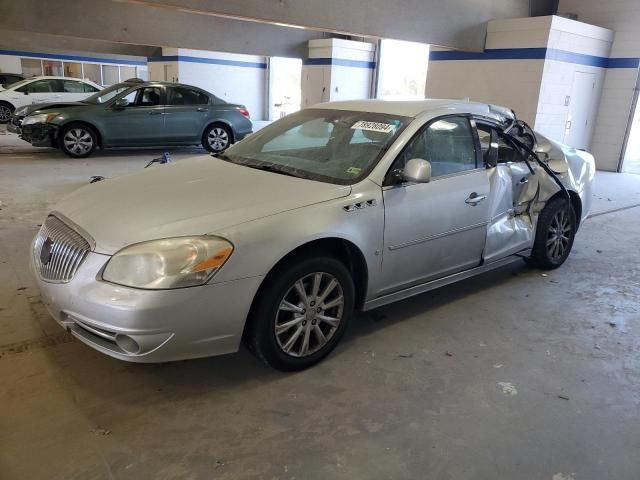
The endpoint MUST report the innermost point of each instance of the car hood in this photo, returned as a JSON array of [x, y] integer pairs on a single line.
[[192, 197], [44, 107]]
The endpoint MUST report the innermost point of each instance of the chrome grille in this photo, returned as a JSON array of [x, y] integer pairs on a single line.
[[58, 251]]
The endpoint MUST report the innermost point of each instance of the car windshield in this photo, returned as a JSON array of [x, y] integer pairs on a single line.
[[107, 94], [334, 146]]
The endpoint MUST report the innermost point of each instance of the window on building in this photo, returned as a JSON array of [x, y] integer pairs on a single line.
[[110, 74], [31, 67], [73, 69], [402, 69], [127, 72], [52, 67], [92, 72], [143, 73]]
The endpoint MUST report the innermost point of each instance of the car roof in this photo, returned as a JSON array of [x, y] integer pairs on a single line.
[[415, 108]]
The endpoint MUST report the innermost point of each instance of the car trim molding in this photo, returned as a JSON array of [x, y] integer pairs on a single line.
[[436, 236]]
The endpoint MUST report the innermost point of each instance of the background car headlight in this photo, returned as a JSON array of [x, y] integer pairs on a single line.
[[39, 118], [168, 263]]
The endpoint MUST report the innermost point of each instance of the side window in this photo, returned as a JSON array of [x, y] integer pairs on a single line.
[[41, 86], [72, 86], [90, 88], [507, 152], [448, 144], [144, 97], [186, 96]]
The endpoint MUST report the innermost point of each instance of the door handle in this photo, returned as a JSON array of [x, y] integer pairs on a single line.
[[474, 199], [524, 180], [154, 112], [201, 109]]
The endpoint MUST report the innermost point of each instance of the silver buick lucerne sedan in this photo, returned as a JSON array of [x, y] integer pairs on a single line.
[[343, 206]]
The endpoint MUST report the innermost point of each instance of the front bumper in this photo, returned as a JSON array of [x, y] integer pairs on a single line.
[[39, 134], [149, 326]]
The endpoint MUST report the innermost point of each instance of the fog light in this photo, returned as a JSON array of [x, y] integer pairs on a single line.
[[128, 344]]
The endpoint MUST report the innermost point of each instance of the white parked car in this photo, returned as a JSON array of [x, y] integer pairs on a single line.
[[43, 90], [348, 205]]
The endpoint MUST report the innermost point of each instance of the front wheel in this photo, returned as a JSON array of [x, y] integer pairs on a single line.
[[77, 140], [555, 234], [216, 138], [301, 313]]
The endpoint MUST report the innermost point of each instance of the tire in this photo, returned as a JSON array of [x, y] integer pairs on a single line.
[[217, 138], [6, 109], [303, 323], [78, 140], [555, 233]]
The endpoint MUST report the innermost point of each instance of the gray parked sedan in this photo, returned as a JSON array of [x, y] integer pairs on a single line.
[[344, 206], [134, 114]]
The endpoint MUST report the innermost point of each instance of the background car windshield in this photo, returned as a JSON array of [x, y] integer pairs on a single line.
[[108, 93], [336, 146]]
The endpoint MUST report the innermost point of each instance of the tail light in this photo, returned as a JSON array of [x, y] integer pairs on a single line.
[[245, 112]]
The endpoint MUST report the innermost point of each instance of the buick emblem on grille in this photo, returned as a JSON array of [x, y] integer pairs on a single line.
[[45, 253]]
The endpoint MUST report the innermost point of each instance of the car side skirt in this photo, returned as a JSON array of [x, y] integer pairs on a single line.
[[441, 282]]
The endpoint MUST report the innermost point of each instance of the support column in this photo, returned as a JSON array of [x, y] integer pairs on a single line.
[[337, 70]]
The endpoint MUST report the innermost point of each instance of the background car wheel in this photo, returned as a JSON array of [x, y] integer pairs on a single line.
[[301, 313], [217, 138], [78, 140], [555, 234], [6, 109]]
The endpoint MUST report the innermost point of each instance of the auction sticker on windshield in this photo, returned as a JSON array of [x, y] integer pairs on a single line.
[[373, 126]]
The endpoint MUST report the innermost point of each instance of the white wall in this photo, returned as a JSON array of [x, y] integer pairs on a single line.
[[244, 83], [538, 89], [10, 64], [623, 17], [557, 79]]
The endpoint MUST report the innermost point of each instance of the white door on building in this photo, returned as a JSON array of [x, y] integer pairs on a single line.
[[578, 129]]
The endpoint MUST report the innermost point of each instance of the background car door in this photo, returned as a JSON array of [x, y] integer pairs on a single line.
[[39, 91], [75, 90], [186, 113], [141, 122], [437, 228]]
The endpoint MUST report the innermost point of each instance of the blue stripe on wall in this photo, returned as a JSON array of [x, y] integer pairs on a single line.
[[340, 62], [537, 54], [210, 61], [75, 58]]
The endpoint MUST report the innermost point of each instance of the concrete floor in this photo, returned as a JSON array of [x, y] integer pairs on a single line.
[[511, 375]]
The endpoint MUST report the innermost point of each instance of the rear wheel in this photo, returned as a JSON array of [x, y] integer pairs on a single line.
[[78, 140], [555, 234], [6, 109], [301, 313], [217, 138]]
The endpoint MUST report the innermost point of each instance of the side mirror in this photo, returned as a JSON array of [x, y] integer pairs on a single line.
[[120, 103], [417, 170], [26, 92]]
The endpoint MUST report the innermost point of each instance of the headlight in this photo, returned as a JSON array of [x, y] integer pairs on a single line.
[[168, 263], [39, 118]]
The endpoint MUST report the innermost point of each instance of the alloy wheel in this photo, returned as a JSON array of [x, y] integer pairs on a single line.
[[5, 113], [78, 141], [218, 139], [309, 314], [559, 235]]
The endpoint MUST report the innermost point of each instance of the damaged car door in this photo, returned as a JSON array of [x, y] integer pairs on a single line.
[[435, 228], [514, 186]]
